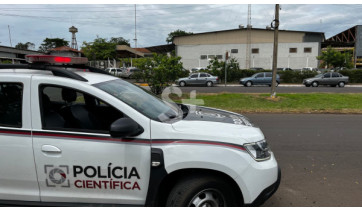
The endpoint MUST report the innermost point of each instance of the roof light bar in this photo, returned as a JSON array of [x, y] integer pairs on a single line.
[[52, 59]]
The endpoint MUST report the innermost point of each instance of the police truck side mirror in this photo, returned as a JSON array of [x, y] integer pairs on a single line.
[[125, 127]]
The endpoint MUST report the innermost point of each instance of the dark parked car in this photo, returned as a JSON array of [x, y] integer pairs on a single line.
[[332, 79], [198, 79], [264, 78]]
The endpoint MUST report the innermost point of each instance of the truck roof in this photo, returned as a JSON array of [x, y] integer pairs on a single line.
[[92, 78]]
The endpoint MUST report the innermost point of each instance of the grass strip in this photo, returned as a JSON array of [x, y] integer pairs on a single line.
[[284, 103]]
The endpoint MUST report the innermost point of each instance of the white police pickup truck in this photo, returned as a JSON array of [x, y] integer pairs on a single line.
[[69, 136]]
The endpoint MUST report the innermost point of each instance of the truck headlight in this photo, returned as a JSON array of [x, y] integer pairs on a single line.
[[260, 150]]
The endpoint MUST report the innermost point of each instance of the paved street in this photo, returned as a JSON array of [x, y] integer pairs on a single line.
[[320, 158], [280, 89]]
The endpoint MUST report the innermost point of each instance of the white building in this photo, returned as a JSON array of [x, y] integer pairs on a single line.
[[296, 49]]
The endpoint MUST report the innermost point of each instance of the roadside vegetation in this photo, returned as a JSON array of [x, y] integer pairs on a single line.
[[284, 103]]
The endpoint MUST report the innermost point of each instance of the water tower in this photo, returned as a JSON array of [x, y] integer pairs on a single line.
[[74, 30]]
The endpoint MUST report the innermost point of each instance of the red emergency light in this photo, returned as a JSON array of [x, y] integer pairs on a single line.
[[52, 59]]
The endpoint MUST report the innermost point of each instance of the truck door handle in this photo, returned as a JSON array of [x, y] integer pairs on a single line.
[[50, 149]]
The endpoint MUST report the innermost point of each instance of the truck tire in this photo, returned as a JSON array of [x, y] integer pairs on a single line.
[[201, 191], [182, 83], [315, 84], [341, 84], [248, 84]]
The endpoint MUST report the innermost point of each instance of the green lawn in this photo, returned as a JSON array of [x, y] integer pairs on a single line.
[[284, 103]]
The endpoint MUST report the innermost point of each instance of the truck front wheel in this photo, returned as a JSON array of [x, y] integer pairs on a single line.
[[201, 191]]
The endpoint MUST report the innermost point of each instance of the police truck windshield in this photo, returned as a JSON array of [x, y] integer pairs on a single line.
[[142, 101]]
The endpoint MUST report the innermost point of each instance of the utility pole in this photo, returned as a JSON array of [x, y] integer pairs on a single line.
[[248, 39], [135, 27], [11, 44], [226, 62], [275, 26], [10, 36], [135, 31]]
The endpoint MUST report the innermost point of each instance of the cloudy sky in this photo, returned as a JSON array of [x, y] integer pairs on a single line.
[[35, 22]]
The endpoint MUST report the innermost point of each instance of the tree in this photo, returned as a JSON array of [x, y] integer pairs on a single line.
[[51, 43], [178, 32], [216, 67], [102, 49], [334, 58], [161, 71], [25, 46]]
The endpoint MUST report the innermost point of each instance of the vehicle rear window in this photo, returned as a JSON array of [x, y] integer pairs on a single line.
[[335, 74], [203, 75], [260, 75], [327, 75], [194, 76], [268, 74], [11, 101]]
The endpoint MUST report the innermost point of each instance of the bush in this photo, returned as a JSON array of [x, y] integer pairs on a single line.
[[295, 76], [355, 76]]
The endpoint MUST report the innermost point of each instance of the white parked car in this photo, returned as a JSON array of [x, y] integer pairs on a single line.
[[79, 137]]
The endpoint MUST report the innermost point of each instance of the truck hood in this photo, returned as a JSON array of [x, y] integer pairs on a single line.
[[218, 125]]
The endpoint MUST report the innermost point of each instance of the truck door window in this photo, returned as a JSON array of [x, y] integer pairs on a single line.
[[11, 100], [334, 75], [71, 110], [194, 76], [327, 75]]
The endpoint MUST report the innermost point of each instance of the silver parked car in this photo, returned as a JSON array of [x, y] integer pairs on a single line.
[[332, 79], [198, 79], [130, 71], [115, 71]]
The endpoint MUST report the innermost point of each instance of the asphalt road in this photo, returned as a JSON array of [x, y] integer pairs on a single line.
[[320, 157], [266, 89]]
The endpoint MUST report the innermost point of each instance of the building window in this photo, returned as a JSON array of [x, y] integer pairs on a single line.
[[234, 51], [219, 57], [308, 50], [210, 56], [203, 57], [255, 51], [292, 50]]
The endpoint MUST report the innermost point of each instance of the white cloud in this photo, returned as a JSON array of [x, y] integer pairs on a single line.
[[154, 21]]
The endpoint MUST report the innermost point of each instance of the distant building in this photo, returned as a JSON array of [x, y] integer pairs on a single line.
[[296, 49], [348, 40], [65, 51], [18, 55], [124, 51]]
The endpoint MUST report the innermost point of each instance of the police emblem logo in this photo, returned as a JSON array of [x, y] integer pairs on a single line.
[[57, 176]]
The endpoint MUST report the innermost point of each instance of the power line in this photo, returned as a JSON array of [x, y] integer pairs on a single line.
[[112, 9]]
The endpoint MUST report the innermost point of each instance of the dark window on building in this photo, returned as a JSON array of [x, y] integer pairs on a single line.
[[211, 56], [11, 101], [219, 57], [292, 50], [203, 57], [234, 51], [308, 50], [66, 109], [255, 51]]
